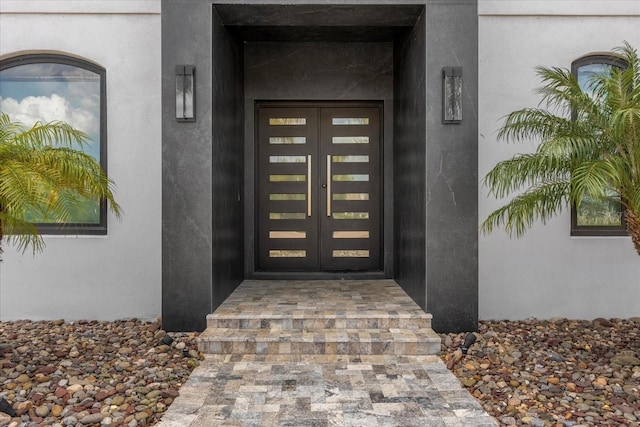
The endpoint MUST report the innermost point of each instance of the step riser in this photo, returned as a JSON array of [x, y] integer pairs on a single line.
[[318, 324], [331, 348], [296, 318]]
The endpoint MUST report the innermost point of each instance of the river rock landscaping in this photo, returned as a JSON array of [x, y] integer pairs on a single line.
[[555, 372], [90, 373]]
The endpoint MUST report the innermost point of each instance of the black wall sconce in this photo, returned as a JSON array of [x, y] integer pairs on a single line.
[[186, 93], [451, 94]]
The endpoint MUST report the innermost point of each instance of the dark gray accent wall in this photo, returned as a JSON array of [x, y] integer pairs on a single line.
[[311, 72], [435, 170], [186, 171], [452, 170], [202, 168], [227, 163], [409, 150]]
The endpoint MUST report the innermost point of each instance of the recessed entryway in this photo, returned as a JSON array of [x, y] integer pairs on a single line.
[[317, 82], [246, 52], [319, 186]]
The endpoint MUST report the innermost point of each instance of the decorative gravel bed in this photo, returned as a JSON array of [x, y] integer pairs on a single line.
[[123, 373], [541, 373], [553, 373]]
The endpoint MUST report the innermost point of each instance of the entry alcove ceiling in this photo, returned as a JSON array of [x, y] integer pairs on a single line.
[[318, 23]]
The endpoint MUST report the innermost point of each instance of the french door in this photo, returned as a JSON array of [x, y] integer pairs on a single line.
[[318, 187]]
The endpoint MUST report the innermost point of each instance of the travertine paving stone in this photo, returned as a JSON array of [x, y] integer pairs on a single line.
[[292, 303], [319, 317], [259, 390], [323, 353]]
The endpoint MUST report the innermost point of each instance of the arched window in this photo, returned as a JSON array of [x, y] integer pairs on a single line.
[[45, 87], [597, 218]]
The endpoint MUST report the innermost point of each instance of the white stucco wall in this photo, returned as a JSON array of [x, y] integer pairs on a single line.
[[118, 275], [547, 273]]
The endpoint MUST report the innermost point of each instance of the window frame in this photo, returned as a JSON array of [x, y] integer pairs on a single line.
[[596, 230], [99, 228]]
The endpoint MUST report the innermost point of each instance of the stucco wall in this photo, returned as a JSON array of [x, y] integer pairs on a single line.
[[547, 273], [118, 275]]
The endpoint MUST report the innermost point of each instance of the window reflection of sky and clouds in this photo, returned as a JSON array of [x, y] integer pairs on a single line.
[[50, 91], [586, 73]]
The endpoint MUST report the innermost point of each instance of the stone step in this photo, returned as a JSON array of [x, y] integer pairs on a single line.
[[305, 320], [392, 341]]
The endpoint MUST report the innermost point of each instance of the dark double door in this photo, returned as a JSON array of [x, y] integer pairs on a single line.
[[318, 187]]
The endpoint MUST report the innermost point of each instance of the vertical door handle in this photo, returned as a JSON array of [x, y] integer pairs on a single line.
[[328, 185], [309, 185]]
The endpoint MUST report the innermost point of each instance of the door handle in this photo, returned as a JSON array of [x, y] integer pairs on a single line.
[[328, 185], [309, 185]]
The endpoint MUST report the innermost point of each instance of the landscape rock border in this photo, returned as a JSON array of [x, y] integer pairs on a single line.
[[556, 372], [90, 373]]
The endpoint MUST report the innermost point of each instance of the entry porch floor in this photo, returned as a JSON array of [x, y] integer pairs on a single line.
[[322, 353]]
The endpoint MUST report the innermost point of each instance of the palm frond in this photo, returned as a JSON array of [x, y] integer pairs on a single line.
[[540, 202], [592, 179], [531, 123], [588, 146], [521, 170], [54, 133], [44, 176], [22, 234]]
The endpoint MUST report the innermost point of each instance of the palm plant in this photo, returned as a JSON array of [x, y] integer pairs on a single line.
[[589, 148], [43, 176]]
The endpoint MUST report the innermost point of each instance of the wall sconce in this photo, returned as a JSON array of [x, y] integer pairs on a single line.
[[451, 94], [186, 93]]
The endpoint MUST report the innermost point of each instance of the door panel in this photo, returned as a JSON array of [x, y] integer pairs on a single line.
[[318, 188], [350, 229], [287, 230]]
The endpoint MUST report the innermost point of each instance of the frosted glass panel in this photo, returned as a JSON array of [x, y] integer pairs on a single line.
[[287, 196], [351, 215], [350, 159], [287, 254], [287, 215], [287, 121], [351, 177], [339, 121], [276, 140], [351, 253], [287, 178], [351, 234], [351, 196], [350, 140], [287, 234], [287, 159]]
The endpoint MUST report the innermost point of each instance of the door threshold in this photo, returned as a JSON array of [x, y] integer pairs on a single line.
[[318, 275]]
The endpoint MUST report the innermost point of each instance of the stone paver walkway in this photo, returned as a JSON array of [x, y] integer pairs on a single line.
[[371, 391], [249, 382]]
